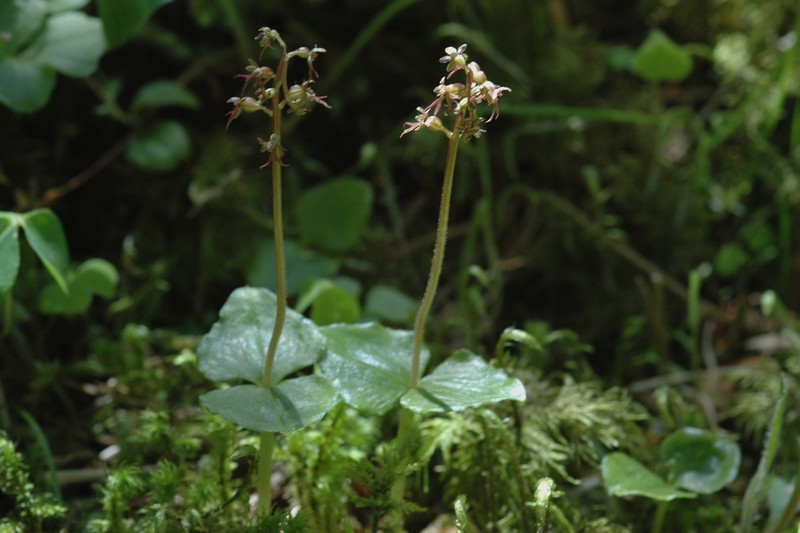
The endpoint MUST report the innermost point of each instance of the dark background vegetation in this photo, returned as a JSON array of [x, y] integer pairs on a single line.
[[644, 182]]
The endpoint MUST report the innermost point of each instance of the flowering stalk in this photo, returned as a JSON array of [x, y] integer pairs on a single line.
[[273, 100], [462, 101]]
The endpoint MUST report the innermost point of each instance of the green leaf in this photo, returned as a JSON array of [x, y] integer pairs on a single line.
[[122, 19], [730, 259], [24, 86], [464, 380], [700, 461], [56, 6], [625, 476], [93, 277], [332, 216], [332, 304], [20, 20], [9, 251], [387, 303], [236, 346], [163, 93], [46, 237], [71, 43], [369, 364], [160, 147], [289, 405], [659, 59], [302, 266]]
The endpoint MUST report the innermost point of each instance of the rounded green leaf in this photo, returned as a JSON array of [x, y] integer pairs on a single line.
[[46, 236], [332, 216], [122, 19], [9, 252], [730, 259], [464, 380], [71, 43], [333, 304], [236, 346], [25, 86], [55, 6], [93, 277], [625, 476], [370, 364], [290, 405], [302, 266], [659, 58], [160, 147], [163, 93], [387, 303], [700, 461]]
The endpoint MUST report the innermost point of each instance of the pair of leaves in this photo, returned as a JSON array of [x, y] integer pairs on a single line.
[[45, 236], [93, 277], [696, 461], [369, 364]]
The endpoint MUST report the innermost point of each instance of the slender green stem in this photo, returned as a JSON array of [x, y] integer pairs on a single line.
[[438, 252], [277, 215], [406, 429], [267, 440], [658, 519], [263, 486]]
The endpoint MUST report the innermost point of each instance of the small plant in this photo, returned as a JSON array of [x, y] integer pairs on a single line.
[[268, 404]]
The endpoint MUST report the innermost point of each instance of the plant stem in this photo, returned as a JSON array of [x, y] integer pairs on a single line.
[[405, 435], [438, 252], [277, 215], [267, 440], [263, 486], [658, 519]]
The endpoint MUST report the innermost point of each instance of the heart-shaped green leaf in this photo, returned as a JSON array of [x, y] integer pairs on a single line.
[[236, 346], [160, 147], [700, 461], [46, 236], [332, 216], [369, 364], [464, 380], [625, 476], [289, 405], [9, 252]]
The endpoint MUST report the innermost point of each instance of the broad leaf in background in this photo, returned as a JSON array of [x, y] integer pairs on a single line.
[[122, 19], [164, 93], [332, 216], [659, 59], [93, 277], [285, 407], [464, 380], [332, 304], [160, 147], [9, 252], [44, 38], [236, 346], [700, 461], [302, 266], [369, 364], [625, 476], [46, 236], [387, 303]]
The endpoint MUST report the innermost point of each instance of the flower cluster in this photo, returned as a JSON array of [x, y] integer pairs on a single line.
[[271, 92], [459, 98]]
